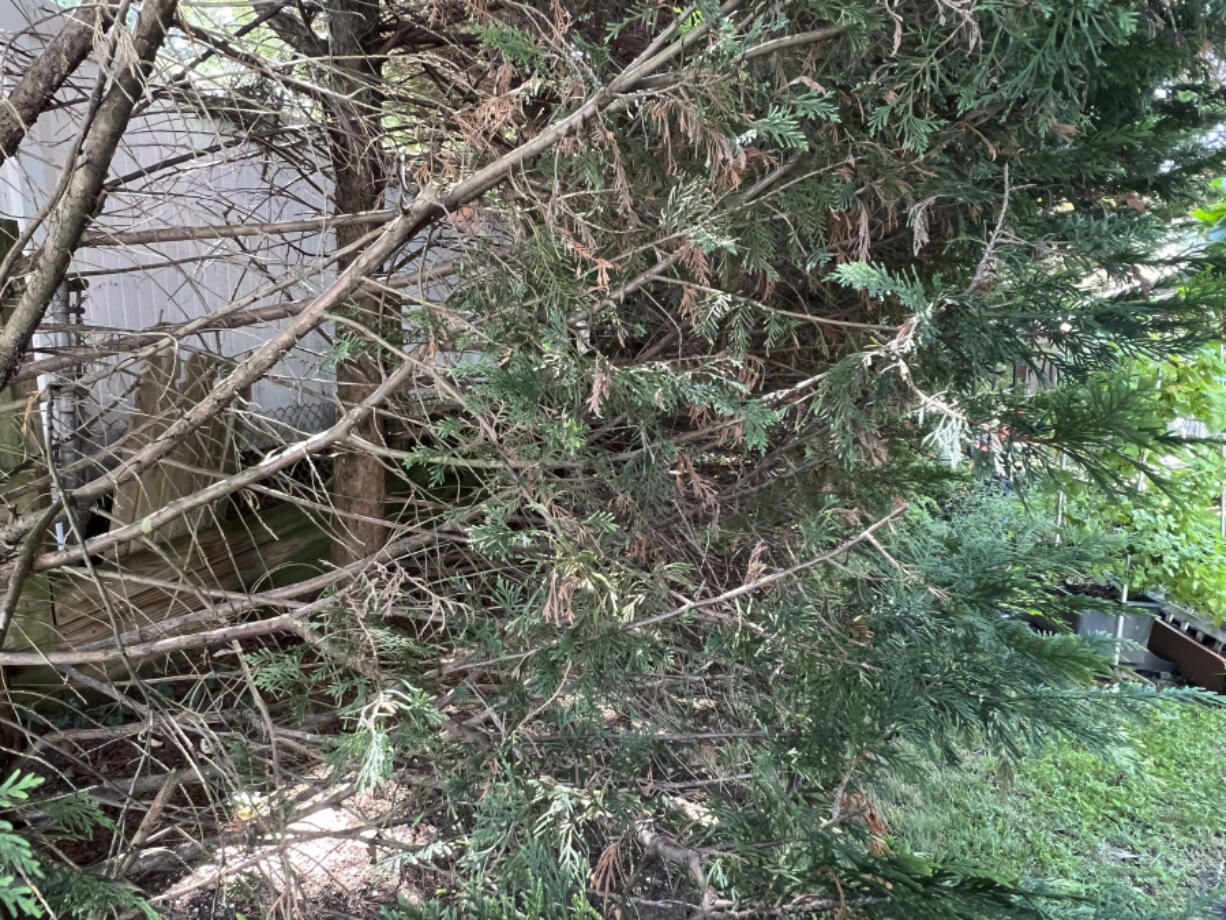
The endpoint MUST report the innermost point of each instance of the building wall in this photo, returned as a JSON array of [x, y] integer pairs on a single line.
[[134, 287]]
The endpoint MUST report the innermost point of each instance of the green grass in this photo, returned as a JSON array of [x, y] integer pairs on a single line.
[[1143, 835]]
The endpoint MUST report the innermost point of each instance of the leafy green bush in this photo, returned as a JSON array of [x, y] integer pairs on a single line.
[[34, 881], [1169, 531]]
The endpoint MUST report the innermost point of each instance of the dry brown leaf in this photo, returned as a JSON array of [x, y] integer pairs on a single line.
[[700, 487], [809, 82], [1063, 129], [600, 385], [756, 567], [609, 871], [559, 607]]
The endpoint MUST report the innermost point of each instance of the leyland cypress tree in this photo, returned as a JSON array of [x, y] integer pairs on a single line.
[[757, 306], [729, 354]]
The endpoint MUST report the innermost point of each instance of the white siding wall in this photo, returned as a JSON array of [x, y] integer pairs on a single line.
[[237, 185]]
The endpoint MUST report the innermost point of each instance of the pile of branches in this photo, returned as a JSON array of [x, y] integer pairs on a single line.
[[656, 342]]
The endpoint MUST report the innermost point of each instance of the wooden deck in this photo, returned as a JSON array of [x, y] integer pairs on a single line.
[[156, 582]]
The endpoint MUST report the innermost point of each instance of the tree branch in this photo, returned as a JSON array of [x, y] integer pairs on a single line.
[[81, 197], [43, 78]]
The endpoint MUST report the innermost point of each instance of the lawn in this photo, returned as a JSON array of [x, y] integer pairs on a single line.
[[1140, 835]]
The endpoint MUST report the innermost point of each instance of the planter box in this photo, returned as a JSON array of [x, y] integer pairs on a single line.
[[1137, 627], [1200, 665]]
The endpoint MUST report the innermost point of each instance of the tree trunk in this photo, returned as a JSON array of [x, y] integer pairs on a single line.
[[358, 484]]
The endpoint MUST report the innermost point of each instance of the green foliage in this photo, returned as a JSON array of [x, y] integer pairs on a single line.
[[835, 264], [695, 565], [719, 565], [384, 722], [33, 880], [82, 896], [957, 661], [74, 816], [877, 282], [1137, 833], [1173, 532], [904, 658], [20, 867], [513, 43], [1169, 524]]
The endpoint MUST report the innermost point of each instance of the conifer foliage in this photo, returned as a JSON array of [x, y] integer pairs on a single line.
[[701, 531]]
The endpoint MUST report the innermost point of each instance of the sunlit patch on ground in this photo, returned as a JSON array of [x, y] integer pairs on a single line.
[[340, 855]]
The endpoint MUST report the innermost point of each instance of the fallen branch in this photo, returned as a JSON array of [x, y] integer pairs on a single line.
[[282, 623], [96, 239], [669, 850], [173, 510], [166, 334], [147, 822]]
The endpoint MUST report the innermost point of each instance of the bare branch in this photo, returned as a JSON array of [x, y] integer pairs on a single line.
[[81, 197], [43, 78]]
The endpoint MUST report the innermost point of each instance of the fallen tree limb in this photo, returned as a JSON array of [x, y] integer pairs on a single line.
[[224, 634], [168, 333], [173, 510], [281, 623], [97, 239]]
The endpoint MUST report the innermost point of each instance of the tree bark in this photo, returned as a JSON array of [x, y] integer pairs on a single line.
[[358, 484], [80, 199], [43, 78]]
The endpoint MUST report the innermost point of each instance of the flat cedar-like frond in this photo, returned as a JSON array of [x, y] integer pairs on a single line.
[[718, 412]]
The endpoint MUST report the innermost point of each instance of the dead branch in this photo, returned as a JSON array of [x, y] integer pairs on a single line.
[[167, 334], [81, 197], [97, 239], [43, 78], [766, 580], [147, 649]]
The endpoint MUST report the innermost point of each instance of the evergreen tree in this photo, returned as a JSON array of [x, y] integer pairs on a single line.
[[729, 369], [707, 440]]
